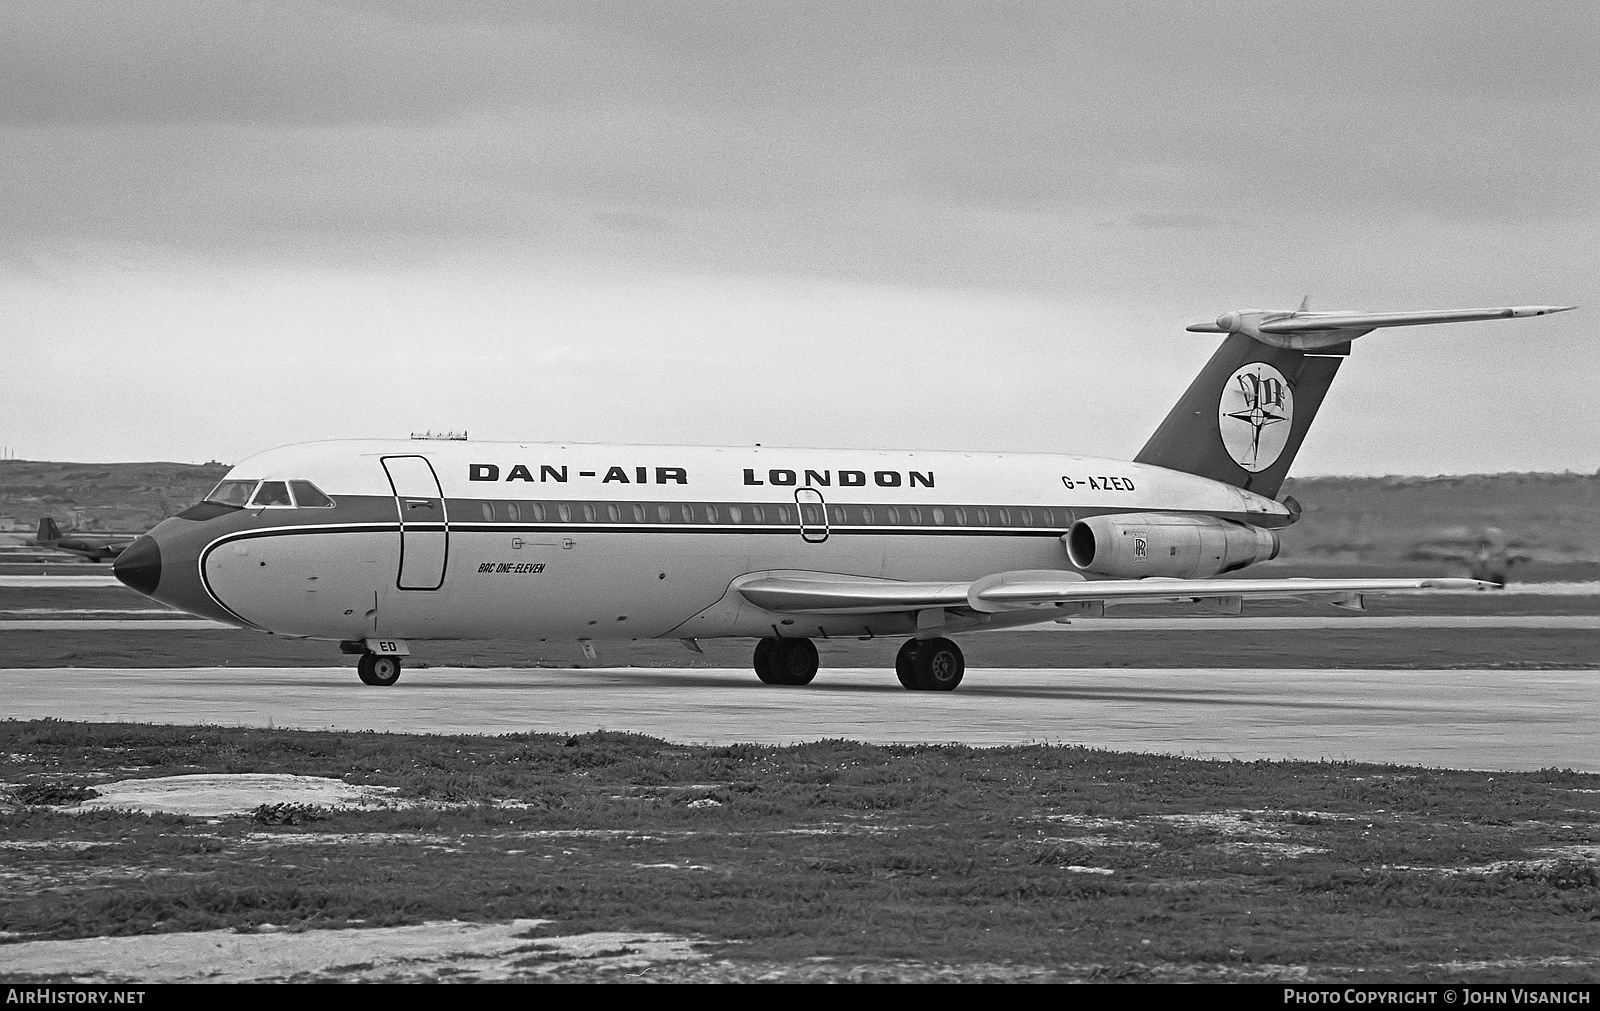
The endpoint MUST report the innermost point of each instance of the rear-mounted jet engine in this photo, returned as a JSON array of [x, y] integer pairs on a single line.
[[1134, 545]]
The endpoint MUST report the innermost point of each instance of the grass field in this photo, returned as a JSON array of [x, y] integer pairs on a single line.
[[834, 859]]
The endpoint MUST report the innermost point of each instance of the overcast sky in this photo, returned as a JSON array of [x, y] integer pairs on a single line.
[[230, 226]]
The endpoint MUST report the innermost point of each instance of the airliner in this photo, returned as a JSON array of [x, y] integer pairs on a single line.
[[375, 545], [94, 547]]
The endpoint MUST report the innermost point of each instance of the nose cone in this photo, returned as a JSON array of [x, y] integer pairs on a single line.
[[139, 565]]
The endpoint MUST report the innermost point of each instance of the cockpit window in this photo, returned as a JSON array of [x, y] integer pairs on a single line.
[[231, 493], [271, 493], [309, 496]]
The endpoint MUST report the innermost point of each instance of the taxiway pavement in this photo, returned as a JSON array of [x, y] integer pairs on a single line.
[[1471, 719]]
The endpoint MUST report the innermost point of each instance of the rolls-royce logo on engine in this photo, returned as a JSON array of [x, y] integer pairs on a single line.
[[1255, 415]]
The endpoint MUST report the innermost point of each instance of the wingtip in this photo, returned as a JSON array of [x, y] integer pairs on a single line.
[[1540, 310], [1459, 583], [1204, 328]]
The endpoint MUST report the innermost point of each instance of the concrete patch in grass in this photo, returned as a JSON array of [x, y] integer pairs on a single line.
[[52, 844], [211, 795], [448, 843], [433, 951]]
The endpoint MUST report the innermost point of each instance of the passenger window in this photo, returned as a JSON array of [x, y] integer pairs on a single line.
[[783, 514], [614, 512], [488, 512], [1046, 518], [837, 512], [894, 515], [638, 513], [687, 513], [914, 515], [564, 510], [664, 513], [538, 512], [938, 516], [757, 514], [514, 511], [982, 517], [309, 496], [866, 515], [271, 493], [588, 511], [1025, 517], [711, 514], [735, 513], [1003, 517], [232, 493], [961, 517]]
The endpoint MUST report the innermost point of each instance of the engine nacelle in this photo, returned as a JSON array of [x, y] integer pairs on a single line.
[[1134, 545]]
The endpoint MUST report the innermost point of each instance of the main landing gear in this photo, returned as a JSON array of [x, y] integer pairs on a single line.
[[381, 671], [930, 665], [786, 661], [924, 665]]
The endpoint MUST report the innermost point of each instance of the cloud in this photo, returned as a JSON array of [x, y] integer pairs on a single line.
[[1173, 220], [1449, 111], [1163, 162]]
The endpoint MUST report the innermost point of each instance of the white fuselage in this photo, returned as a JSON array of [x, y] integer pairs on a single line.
[[605, 542]]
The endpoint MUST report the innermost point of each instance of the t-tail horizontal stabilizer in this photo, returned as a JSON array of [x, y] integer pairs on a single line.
[[1243, 418], [1305, 331]]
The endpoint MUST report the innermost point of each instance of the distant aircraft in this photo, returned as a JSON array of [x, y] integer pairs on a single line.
[[95, 547], [372, 544], [1485, 555]]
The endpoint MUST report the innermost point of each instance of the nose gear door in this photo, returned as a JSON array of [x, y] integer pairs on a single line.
[[424, 526], [813, 515]]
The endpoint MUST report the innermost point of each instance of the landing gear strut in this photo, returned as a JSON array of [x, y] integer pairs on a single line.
[[785, 661], [930, 665], [381, 671]]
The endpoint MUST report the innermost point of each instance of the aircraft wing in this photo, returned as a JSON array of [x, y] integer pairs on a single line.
[[843, 595], [1048, 589]]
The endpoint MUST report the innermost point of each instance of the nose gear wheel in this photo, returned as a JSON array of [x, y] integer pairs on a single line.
[[380, 671]]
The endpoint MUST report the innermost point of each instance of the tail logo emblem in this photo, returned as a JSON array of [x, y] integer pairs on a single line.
[[1255, 416]]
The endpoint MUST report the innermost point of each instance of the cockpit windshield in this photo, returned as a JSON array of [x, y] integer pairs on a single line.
[[272, 493], [232, 493], [309, 496], [257, 494]]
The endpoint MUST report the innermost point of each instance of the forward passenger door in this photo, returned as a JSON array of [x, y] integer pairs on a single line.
[[424, 526]]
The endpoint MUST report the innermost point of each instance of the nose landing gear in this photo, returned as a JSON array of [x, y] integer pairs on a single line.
[[785, 661], [930, 665], [381, 671]]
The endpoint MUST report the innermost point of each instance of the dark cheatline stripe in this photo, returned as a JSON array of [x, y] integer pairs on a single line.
[[790, 530], [356, 514]]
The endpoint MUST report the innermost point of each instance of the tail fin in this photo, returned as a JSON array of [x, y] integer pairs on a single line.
[[49, 533], [1245, 415]]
